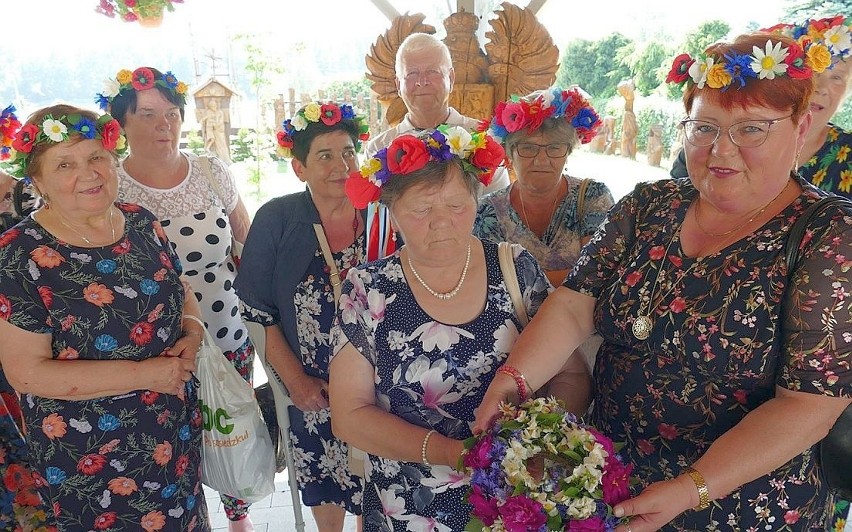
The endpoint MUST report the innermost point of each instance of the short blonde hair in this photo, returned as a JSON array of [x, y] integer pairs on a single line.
[[417, 42]]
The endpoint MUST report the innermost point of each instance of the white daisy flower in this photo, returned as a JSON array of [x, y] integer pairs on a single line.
[[111, 88], [54, 129], [838, 39], [769, 62], [698, 71], [298, 122], [458, 139]]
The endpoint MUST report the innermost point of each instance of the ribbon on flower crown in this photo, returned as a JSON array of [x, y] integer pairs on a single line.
[[381, 238]]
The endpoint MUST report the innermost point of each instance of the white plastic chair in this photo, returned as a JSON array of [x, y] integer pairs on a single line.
[[257, 333]]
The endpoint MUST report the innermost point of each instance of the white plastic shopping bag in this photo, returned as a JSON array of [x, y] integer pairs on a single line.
[[237, 458]]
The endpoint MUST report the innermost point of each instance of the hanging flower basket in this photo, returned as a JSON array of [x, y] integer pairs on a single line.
[[148, 13]]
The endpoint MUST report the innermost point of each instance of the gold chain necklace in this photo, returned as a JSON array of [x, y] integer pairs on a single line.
[[643, 324], [443, 296], [86, 240], [552, 209], [739, 226]]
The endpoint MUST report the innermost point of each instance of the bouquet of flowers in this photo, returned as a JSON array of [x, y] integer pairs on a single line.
[[133, 10], [539, 468]]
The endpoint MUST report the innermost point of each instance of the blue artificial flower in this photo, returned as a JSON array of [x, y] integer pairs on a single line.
[[560, 104], [86, 128], [190, 502], [108, 422], [384, 174], [149, 287], [184, 433], [105, 342], [54, 475], [585, 118], [102, 100], [168, 491], [739, 67], [498, 131], [170, 80], [346, 112], [106, 266]]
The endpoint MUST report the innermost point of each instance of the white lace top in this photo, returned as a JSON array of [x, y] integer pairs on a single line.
[[195, 219]]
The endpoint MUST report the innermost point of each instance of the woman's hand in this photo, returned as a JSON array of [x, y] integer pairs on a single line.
[[186, 346], [169, 374], [502, 389], [658, 504], [309, 394]]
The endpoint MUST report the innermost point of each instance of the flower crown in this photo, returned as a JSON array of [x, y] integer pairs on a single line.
[[477, 151], [139, 80], [329, 113], [17, 143], [519, 113], [775, 59], [833, 34]]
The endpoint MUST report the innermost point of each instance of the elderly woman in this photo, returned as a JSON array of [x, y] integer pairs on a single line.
[[824, 160], [717, 373], [98, 338], [422, 332], [297, 252], [197, 202]]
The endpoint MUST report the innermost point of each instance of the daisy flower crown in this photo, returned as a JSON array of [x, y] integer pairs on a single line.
[[478, 152], [816, 36], [328, 113], [139, 80], [519, 113], [775, 59], [17, 142]]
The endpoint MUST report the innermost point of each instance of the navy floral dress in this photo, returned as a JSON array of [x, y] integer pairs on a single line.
[[430, 374], [726, 331], [831, 167], [127, 462]]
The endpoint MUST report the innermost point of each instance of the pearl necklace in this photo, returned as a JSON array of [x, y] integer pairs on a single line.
[[445, 295], [86, 240]]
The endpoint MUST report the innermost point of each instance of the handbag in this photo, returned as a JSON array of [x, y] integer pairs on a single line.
[[236, 245], [236, 451], [266, 402], [835, 450]]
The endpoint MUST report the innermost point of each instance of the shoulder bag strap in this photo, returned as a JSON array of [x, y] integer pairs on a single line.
[[334, 273], [510, 277], [797, 232], [206, 167], [581, 199]]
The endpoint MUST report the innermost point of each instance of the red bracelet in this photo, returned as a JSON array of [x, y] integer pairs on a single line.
[[519, 378]]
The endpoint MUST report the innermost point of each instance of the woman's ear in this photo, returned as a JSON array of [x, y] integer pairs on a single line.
[[298, 168]]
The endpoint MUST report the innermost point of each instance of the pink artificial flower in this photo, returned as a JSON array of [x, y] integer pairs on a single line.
[[616, 481], [521, 514], [592, 524], [484, 509], [514, 117], [477, 456]]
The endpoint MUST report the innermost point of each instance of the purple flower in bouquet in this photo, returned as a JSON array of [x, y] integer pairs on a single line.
[[522, 514], [484, 507]]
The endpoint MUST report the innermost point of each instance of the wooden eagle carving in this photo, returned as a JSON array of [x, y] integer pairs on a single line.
[[519, 57]]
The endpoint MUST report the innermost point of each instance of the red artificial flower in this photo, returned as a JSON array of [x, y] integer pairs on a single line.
[[25, 138], [130, 3], [329, 114], [364, 136], [91, 464], [46, 295], [538, 114], [514, 116], [490, 156], [141, 333], [142, 78], [680, 69], [797, 67], [5, 308], [284, 140], [407, 154], [8, 237], [360, 191], [110, 134], [105, 520]]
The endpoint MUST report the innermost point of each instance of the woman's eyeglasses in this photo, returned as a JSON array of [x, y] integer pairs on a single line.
[[746, 134], [528, 150]]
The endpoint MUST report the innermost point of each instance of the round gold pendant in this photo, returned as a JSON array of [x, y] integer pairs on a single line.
[[642, 327]]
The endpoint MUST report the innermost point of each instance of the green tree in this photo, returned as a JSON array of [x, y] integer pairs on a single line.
[[798, 11], [644, 62], [593, 66], [694, 44]]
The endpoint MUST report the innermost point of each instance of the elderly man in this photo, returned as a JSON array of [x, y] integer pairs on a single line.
[[424, 79]]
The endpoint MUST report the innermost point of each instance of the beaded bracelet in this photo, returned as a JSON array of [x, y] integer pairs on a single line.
[[423, 447], [520, 380], [701, 486]]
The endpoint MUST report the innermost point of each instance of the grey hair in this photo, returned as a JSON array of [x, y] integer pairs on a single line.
[[417, 42], [434, 174]]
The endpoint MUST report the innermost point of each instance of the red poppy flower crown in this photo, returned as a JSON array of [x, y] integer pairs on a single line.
[[477, 151], [530, 113], [16, 142], [775, 59], [328, 113], [141, 79]]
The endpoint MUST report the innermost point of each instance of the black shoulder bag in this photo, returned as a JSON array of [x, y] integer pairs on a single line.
[[835, 450]]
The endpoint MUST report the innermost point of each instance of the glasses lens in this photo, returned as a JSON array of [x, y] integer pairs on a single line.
[[556, 150], [700, 133], [527, 150], [750, 134]]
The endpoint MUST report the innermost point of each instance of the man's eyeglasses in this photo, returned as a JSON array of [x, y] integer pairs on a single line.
[[746, 134], [429, 75], [528, 150]]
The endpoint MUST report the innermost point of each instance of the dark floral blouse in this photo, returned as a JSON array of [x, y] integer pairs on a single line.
[[727, 330]]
